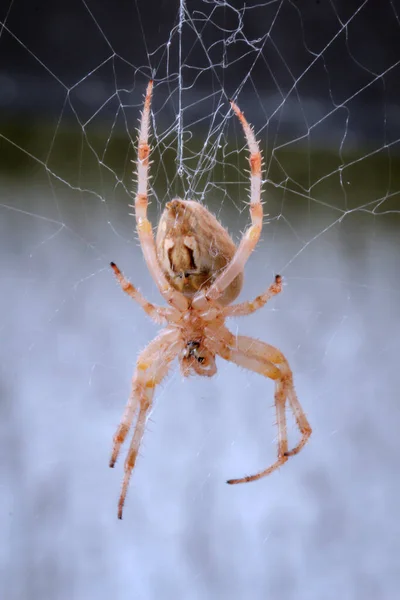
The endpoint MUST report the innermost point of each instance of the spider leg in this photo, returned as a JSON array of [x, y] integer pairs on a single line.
[[282, 439], [145, 398], [159, 314], [263, 351], [246, 308], [268, 361], [143, 225], [149, 357], [152, 366], [252, 235], [301, 421], [126, 422]]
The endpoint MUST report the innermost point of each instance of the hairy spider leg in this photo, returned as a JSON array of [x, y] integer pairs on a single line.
[[144, 228], [252, 235], [152, 366]]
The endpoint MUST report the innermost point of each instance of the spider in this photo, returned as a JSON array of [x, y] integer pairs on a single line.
[[199, 272]]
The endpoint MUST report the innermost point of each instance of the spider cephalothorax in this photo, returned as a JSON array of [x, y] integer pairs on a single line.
[[199, 272]]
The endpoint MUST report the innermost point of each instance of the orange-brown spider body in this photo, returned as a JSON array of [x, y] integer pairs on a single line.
[[199, 272]]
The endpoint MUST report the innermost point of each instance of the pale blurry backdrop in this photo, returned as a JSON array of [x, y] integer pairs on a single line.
[[326, 525]]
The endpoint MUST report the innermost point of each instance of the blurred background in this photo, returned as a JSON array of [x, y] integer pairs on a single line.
[[319, 82]]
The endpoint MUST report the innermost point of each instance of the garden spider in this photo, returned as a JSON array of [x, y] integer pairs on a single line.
[[199, 272]]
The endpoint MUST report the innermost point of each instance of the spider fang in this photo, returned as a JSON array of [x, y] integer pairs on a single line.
[[192, 350]]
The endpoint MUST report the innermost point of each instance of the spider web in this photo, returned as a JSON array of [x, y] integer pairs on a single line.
[[319, 83]]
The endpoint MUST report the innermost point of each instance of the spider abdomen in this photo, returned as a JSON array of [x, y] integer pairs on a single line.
[[193, 248]]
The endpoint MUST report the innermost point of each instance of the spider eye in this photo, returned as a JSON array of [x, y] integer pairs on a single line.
[[200, 359]]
